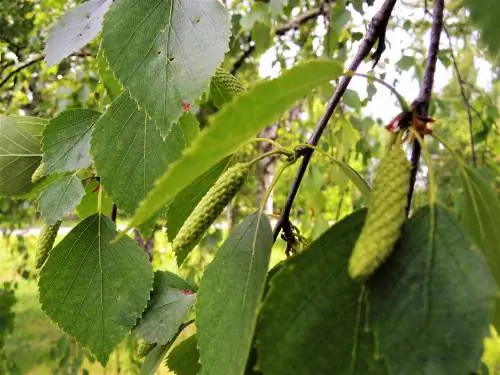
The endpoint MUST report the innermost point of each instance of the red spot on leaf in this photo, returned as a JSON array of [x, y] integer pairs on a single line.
[[187, 292], [185, 105]]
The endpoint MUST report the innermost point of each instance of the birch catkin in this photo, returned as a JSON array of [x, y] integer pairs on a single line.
[[385, 217], [46, 240], [209, 208]]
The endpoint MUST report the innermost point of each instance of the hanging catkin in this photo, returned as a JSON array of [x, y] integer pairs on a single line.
[[386, 214]]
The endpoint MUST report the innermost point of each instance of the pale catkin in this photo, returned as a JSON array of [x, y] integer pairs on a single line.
[[208, 209], [45, 242], [385, 217], [225, 80], [38, 174]]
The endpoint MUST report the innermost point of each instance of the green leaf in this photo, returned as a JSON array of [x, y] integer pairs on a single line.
[[480, 213], [352, 99], [185, 202], [172, 299], [355, 178], [238, 121], [137, 155], [406, 62], [77, 27], [60, 198], [31, 125], [229, 297], [430, 304], [65, 140], [260, 12], [165, 51], [89, 204], [262, 36], [93, 288], [312, 319], [485, 14], [20, 156], [108, 79], [184, 358]]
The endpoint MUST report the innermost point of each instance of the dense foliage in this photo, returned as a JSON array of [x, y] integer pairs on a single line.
[[326, 175]]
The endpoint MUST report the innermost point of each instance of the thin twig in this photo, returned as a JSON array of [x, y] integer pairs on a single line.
[[421, 104], [280, 31], [464, 97], [376, 28], [18, 69]]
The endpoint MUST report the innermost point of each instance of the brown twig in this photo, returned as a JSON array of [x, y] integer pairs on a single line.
[[464, 97], [376, 28], [280, 31], [421, 104], [18, 69]]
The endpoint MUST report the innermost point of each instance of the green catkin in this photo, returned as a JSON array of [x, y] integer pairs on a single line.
[[38, 174], [46, 240], [385, 217], [223, 79], [209, 208]]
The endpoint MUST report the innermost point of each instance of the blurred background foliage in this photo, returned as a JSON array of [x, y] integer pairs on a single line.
[[268, 36]]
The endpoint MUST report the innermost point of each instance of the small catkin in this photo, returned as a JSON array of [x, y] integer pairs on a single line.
[[144, 348], [225, 80], [209, 208], [46, 240], [385, 217], [38, 174]]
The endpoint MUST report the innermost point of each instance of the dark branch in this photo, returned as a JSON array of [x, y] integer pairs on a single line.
[[18, 69], [421, 104], [375, 29], [280, 31]]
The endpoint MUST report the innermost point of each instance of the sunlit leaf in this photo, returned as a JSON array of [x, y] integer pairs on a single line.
[[89, 204]]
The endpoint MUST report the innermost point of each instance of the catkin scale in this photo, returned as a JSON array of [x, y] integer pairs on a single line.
[[222, 78], [385, 217], [209, 208], [45, 242]]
